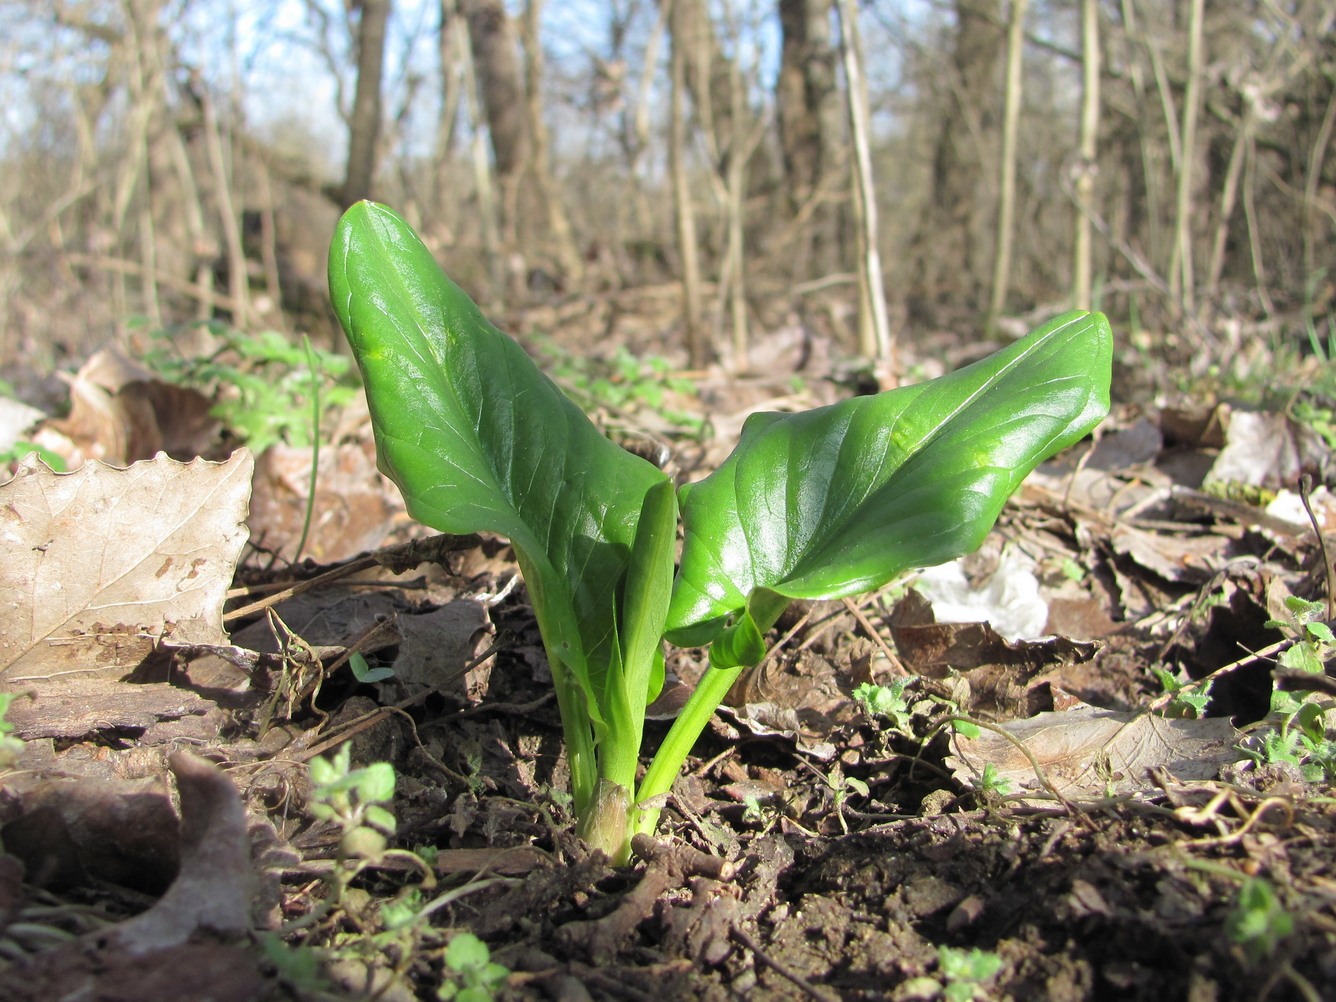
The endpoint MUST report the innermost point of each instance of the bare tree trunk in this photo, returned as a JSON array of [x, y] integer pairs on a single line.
[[807, 102], [364, 129], [682, 204], [568, 256], [451, 95], [1006, 201], [1082, 263], [874, 329], [482, 172], [1229, 190], [636, 133], [500, 76], [1312, 179], [944, 251], [1181, 279], [146, 106], [238, 281]]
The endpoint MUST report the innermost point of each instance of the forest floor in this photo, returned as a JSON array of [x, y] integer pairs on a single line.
[[1143, 811]]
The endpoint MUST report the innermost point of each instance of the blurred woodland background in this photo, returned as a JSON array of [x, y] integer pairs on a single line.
[[868, 173]]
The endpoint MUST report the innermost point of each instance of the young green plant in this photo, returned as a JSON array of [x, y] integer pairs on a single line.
[[823, 504]]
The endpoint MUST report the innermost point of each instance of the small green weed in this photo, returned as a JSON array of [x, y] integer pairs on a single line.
[[475, 978], [1295, 729], [263, 382], [1188, 701], [364, 673], [353, 799], [623, 382], [964, 975], [887, 701], [991, 786], [1259, 923]]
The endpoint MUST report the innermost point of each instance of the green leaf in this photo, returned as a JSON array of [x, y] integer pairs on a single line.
[[375, 783], [380, 818], [479, 440], [1320, 631], [467, 952], [837, 501], [364, 673]]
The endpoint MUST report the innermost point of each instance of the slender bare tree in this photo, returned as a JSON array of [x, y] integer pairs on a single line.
[[558, 222], [683, 205], [1181, 278], [364, 127], [874, 329], [808, 112], [500, 74], [1082, 257], [945, 249], [1006, 200]]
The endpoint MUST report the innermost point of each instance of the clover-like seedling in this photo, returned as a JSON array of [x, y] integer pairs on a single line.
[[823, 504]]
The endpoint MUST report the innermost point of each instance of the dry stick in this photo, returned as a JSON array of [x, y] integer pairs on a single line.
[[820, 993], [398, 558], [1069, 806], [874, 329], [875, 635], [352, 567], [1306, 488]]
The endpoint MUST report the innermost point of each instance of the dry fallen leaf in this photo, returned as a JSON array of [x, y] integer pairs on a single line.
[[1088, 752], [101, 563], [213, 890], [120, 413], [69, 831]]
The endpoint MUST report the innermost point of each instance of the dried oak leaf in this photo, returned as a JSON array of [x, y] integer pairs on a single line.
[[102, 563]]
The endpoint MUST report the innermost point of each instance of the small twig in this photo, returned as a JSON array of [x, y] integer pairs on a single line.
[[875, 636], [818, 992], [1068, 805], [1306, 488], [343, 570]]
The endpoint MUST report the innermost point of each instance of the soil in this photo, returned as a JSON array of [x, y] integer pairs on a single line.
[[812, 850]]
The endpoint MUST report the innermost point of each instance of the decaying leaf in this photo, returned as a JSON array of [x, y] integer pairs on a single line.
[[1088, 752], [212, 891], [84, 705], [102, 563], [121, 413], [70, 830]]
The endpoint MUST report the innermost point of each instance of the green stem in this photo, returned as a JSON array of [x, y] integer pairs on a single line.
[[580, 755], [672, 754], [764, 608]]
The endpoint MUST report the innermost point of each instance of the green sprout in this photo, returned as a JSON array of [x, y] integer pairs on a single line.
[[1294, 731], [822, 504], [967, 974], [476, 978], [1258, 923], [1188, 701], [990, 785], [887, 701]]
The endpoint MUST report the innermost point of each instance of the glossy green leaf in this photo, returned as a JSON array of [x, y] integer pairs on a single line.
[[839, 500], [478, 439]]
